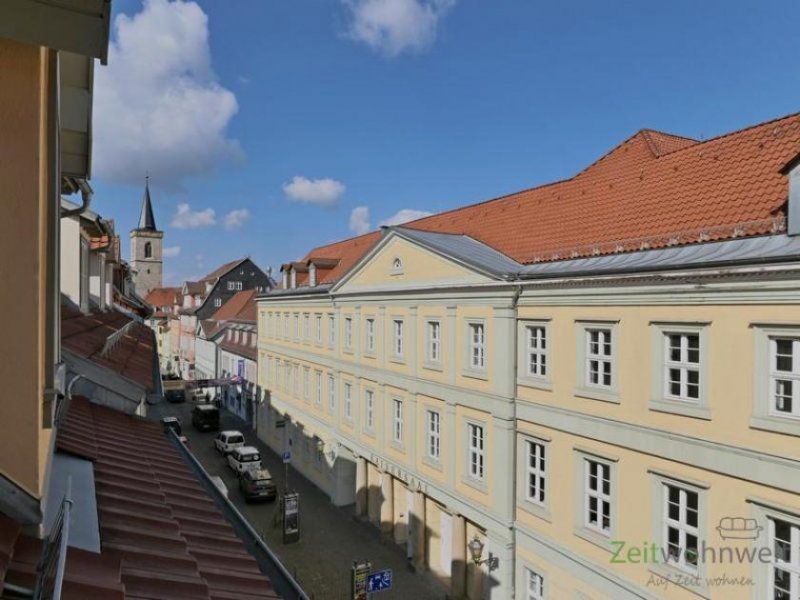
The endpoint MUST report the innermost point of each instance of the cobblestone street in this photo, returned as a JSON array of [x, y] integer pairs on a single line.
[[331, 538]]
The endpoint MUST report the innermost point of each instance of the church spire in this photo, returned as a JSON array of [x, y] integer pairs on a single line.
[[146, 219]]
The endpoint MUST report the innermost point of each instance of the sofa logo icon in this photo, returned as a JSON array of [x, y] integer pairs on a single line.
[[738, 528]]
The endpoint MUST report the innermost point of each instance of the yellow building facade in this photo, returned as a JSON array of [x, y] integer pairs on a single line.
[[609, 426]]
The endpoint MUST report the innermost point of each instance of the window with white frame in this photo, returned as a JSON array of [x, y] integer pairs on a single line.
[[318, 397], [536, 363], [397, 420], [477, 346], [231, 285], [306, 326], [597, 492], [476, 451], [534, 585], [306, 376], [784, 376], [296, 326], [681, 526], [286, 325], [348, 401], [682, 366], [369, 409], [318, 328], [239, 286], [331, 330], [784, 576], [536, 471], [348, 333], [295, 378], [434, 341], [369, 332], [598, 357], [331, 392], [217, 302], [433, 428], [397, 342]]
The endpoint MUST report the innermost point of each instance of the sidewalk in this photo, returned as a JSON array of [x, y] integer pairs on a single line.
[[331, 538]]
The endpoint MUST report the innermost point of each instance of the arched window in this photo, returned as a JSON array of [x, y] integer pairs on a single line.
[[397, 266], [148, 250]]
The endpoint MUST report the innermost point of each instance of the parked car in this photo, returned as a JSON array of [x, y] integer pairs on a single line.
[[205, 417], [175, 395], [217, 480], [173, 423], [227, 441], [244, 459], [257, 484]]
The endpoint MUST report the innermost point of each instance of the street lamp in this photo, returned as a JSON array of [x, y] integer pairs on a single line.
[[476, 550]]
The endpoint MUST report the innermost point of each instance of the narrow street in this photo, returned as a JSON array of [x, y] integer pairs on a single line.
[[331, 538]]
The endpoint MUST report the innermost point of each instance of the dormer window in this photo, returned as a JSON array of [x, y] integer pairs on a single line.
[[397, 266]]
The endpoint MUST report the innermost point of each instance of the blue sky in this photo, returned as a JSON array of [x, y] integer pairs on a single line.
[[393, 105]]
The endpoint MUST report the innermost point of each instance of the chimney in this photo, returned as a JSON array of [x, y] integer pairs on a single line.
[[312, 275], [793, 210]]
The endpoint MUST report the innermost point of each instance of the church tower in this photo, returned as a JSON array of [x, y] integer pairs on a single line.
[[146, 249]]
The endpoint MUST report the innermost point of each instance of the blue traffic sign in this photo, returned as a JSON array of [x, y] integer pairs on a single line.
[[379, 581], [287, 456]]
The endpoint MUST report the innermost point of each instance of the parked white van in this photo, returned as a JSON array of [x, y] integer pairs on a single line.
[[227, 441], [245, 458]]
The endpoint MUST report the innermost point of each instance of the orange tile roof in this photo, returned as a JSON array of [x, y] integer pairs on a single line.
[[241, 306], [653, 190], [165, 296]]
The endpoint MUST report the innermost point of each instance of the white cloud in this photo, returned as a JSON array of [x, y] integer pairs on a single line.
[[322, 192], [392, 27], [404, 216], [186, 218], [236, 218], [359, 220], [171, 251], [158, 105]]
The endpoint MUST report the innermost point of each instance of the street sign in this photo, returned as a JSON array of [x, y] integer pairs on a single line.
[[286, 456], [358, 580], [379, 581], [291, 517]]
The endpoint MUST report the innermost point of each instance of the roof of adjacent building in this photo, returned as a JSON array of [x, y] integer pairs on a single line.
[[163, 296], [156, 520], [241, 307], [654, 190], [222, 270], [111, 340]]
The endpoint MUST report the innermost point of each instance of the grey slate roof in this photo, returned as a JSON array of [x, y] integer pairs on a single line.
[[146, 220], [466, 249]]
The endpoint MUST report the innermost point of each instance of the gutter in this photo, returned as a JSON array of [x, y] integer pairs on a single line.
[[86, 199]]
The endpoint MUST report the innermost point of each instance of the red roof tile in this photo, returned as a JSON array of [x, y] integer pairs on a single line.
[[241, 306], [132, 355], [654, 189], [165, 296], [154, 515]]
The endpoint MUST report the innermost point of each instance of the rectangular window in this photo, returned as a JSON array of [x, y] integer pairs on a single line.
[[331, 392], [434, 435], [477, 346], [434, 341], [682, 366], [476, 451], [331, 330], [369, 409], [681, 517], [296, 326], [306, 327], [397, 420], [784, 577], [306, 371], [598, 357], [348, 333], [318, 397], [537, 351], [231, 286], [397, 346], [784, 377], [286, 325], [348, 401], [318, 329], [370, 335], [295, 379], [597, 510], [536, 472], [239, 285], [534, 585]]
